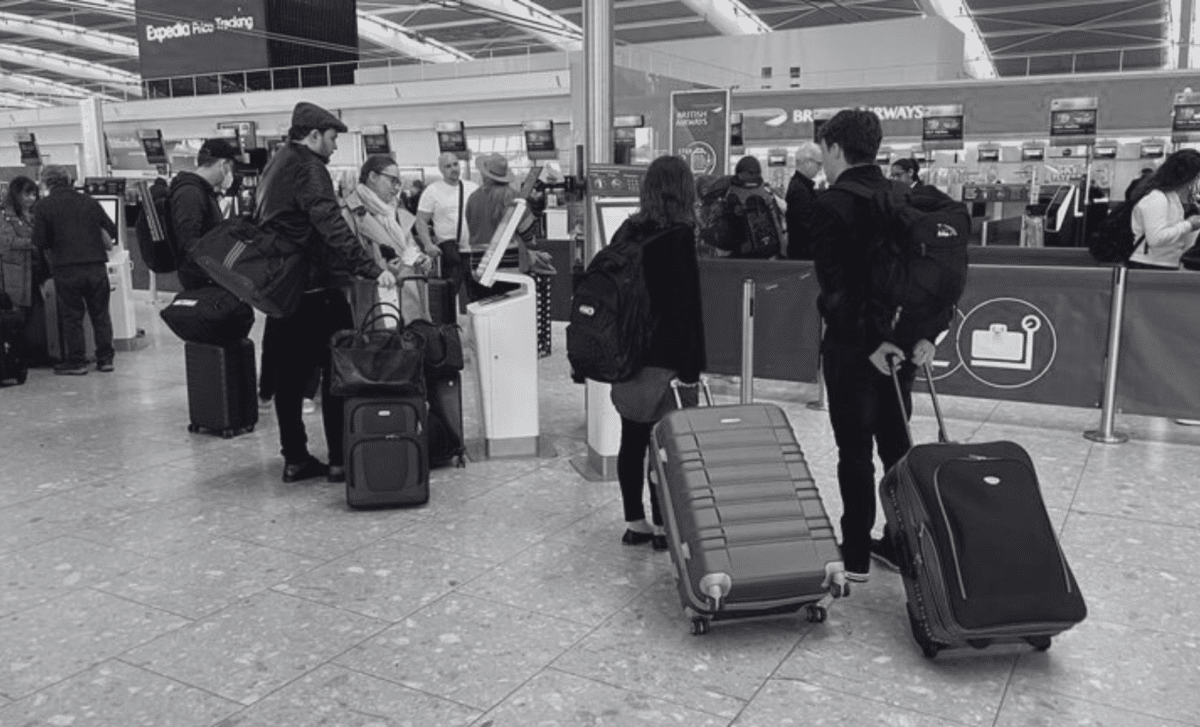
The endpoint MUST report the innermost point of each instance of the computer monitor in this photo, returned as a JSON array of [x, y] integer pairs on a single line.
[[612, 213], [485, 272], [111, 207]]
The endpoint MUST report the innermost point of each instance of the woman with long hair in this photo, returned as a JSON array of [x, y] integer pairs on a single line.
[[665, 227], [1159, 226], [385, 229], [16, 243]]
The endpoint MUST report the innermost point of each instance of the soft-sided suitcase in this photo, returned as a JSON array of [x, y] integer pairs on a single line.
[[13, 366], [385, 452], [979, 556], [747, 531], [446, 442], [222, 388]]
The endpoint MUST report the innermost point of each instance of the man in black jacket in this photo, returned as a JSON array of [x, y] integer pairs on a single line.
[[195, 208], [296, 199], [77, 234], [860, 332], [801, 198]]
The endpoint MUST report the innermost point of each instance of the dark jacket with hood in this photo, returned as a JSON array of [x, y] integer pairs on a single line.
[[195, 210], [673, 281], [296, 199]]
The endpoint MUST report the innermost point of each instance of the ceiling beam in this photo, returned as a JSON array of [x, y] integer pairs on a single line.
[[391, 35], [730, 17], [16, 100], [129, 83], [1041, 7], [1038, 28], [661, 23], [68, 33], [1082, 25], [119, 8], [1078, 51], [26, 83]]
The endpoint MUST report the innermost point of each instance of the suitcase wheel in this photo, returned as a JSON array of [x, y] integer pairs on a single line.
[[249, 429], [1039, 643], [979, 643], [929, 647], [817, 614], [22, 377], [227, 434], [700, 626], [930, 650], [193, 429]]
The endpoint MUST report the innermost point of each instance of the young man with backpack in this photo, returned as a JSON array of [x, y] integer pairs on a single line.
[[193, 209], [861, 277], [740, 214]]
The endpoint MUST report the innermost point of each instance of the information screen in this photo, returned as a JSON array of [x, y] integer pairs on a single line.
[[611, 215], [111, 208]]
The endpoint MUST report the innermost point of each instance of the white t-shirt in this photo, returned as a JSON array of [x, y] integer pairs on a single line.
[[441, 201]]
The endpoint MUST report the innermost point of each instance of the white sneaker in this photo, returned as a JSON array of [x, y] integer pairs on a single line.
[[310, 406]]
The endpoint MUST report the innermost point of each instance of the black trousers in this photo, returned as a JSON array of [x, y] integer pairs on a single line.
[[300, 344], [631, 471], [83, 289], [865, 414]]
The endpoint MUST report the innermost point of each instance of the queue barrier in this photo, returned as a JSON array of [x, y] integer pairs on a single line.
[[1034, 325]]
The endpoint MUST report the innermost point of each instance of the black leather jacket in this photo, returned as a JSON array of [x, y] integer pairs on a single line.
[[296, 199]]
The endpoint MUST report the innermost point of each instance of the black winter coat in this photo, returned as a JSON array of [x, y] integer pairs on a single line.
[[296, 199], [194, 211], [801, 199]]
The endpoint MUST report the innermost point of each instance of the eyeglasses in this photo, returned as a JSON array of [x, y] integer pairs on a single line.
[[394, 179]]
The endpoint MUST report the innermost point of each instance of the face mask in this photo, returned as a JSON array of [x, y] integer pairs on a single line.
[[227, 181]]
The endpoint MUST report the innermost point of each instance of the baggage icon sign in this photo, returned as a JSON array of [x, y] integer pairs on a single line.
[[1006, 343], [1000, 348]]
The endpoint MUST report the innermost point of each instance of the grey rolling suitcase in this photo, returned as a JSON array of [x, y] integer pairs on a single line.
[[746, 528], [222, 388], [981, 561]]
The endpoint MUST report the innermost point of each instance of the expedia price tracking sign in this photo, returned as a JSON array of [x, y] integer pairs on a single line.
[[185, 38]]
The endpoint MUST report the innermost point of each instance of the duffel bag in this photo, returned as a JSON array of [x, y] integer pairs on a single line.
[[261, 268], [443, 347], [209, 315], [377, 361]]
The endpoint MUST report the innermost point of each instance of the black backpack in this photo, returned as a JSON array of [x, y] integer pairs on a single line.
[[919, 260], [1113, 240], [153, 231], [753, 225], [610, 327]]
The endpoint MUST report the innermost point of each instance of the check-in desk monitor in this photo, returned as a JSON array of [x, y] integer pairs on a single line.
[[504, 321]]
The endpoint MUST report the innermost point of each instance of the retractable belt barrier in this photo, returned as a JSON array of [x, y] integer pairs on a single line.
[[1034, 328]]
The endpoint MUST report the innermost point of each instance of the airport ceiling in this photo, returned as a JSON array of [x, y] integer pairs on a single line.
[[55, 51]]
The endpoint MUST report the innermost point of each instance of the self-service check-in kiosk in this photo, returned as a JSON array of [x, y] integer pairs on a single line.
[[504, 322], [120, 277]]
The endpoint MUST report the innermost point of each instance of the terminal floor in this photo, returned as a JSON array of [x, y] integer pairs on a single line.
[[153, 577]]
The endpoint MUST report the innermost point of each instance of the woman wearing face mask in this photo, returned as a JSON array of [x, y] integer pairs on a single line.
[[384, 229], [16, 244], [1160, 227]]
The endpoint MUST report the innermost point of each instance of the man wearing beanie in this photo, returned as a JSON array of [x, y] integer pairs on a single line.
[[296, 200], [76, 233]]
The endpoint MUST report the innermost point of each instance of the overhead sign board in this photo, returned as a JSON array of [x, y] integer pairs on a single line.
[[942, 127], [539, 139], [1185, 122], [700, 129], [152, 144], [1073, 120], [376, 141], [452, 138], [27, 143]]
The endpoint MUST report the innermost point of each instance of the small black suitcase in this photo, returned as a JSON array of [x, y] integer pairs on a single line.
[[13, 366], [980, 558], [222, 388], [446, 442], [385, 452]]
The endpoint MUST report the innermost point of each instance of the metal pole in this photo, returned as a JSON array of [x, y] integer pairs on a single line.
[[747, 340], [1106, 435]]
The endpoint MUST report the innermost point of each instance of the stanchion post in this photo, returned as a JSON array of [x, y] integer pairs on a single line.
[[747, 340], [1105, 434]]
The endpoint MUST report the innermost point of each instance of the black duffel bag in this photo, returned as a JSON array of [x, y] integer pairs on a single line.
[[377, 362], [443, 347], [266, 270], [209, 315]]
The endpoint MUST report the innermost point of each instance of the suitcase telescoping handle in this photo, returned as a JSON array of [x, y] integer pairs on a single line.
[[894, 366], [702, 384]]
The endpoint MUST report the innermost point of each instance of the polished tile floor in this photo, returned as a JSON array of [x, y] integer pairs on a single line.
[[153, 577]]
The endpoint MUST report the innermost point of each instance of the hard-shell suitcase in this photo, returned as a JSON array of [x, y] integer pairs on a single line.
[[222, 388], [981, 562], [385, 452], [747, 531]]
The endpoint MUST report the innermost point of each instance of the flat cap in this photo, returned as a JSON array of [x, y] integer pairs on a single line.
[[313, 116]]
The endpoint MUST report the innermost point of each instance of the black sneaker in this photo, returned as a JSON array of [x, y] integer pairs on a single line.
[[71, 370], [884, 551], [105, 366], [305, 470]]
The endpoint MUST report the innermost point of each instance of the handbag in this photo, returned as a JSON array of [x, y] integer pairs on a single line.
[[264, 269], [210, 315], [377, 362], [1191, 258], [644, 398]]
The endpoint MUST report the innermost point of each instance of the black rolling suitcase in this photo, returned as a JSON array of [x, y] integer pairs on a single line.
[[386, 459], [222, 388], [445, 430], [981, 561], [13, 366]]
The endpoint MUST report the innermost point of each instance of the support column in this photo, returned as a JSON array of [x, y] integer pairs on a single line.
[[603, 422], [1187, 16], [92, 163]]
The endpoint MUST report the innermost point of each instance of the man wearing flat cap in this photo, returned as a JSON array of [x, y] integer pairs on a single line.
[[296, 200], [76, 233], [195, 208]]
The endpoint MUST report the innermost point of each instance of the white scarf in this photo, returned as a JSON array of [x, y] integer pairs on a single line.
[[382, 226]]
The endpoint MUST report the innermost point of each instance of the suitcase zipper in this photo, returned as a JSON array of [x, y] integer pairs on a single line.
[[937, 488]]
